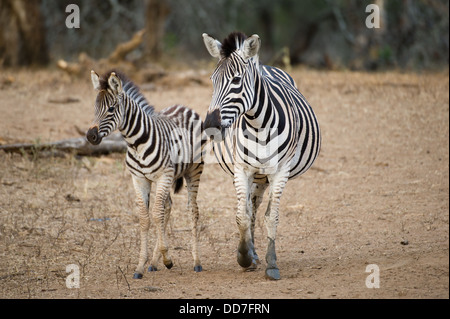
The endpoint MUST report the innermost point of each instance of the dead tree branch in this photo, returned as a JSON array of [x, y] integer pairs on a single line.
[[123, 49], [80, 146], [86, 63]]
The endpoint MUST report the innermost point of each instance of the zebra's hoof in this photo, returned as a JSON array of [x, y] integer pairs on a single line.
[[137, 275], [253, 266], [273, 274], [198, 268], [169, 265], [244, 260], [152, 268], [245, 254]]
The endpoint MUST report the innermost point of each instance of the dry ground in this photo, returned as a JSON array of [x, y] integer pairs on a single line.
[[378, 194]]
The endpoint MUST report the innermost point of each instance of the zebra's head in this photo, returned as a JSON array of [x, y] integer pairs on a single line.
[[233, 80], [108, 110]]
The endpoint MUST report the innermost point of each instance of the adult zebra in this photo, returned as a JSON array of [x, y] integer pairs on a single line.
[[163, 147], [268, 134]]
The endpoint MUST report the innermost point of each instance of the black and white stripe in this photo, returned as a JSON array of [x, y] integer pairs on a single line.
[[268, 134], [163, 147]]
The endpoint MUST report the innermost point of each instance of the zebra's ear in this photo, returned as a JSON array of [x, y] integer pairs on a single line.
[[95, 80], [115, 83], [212, 45], [251, 46]]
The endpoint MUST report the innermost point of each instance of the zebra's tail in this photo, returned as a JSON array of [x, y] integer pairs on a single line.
[[178, 185]]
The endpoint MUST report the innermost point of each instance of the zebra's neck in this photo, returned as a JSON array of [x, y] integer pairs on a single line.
[[136, 122], [261, 107]]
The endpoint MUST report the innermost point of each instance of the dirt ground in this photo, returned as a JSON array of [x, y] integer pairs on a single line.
[[378, 194]]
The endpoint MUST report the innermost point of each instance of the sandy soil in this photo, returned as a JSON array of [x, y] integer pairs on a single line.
[[378, 194]]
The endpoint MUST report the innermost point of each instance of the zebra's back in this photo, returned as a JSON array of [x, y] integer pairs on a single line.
[[174, 141]]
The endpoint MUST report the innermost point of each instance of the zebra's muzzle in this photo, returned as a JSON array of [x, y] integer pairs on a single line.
[[92, 136], [213, 126]]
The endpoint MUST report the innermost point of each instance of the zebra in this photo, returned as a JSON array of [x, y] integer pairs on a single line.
[[162, 148], [263, 132]]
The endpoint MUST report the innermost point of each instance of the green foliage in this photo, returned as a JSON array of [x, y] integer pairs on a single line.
[[385, 55], [170, 41]]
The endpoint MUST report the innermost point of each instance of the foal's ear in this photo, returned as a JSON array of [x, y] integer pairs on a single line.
[[212, 45], [95, 80], [251, 46], [115, 83]]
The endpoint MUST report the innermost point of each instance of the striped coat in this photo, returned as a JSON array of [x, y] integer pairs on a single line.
[[264, 133], [275, 132], [163, 148]]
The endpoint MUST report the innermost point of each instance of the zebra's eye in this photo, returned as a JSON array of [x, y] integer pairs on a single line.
[[236, 80], [111, 109]]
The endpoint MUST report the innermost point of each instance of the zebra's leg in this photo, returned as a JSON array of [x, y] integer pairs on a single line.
[[192, 182], [277, 183], [159, 215], [257, 193], [142, 187], [156, 251], [242, 182], [156, 256]]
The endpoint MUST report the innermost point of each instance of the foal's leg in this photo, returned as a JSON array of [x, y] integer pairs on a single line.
[[156, 251], [142, 187], [192, 182], [159, 214]]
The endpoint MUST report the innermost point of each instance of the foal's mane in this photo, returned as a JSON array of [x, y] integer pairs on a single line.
[[131, 89]]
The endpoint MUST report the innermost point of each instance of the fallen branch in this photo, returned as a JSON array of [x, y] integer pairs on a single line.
[[84, 64], [117, 58], [71, 68], [64, 100], [80, 146]]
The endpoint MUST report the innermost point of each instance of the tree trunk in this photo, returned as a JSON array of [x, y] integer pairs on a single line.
[[22, 33], [155, 15]]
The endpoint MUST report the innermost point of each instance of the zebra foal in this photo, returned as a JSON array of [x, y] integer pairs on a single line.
[[163, 148], [264, 133]]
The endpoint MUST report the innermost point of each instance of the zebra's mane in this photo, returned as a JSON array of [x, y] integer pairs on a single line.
[[131, 89], [231, 43]]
